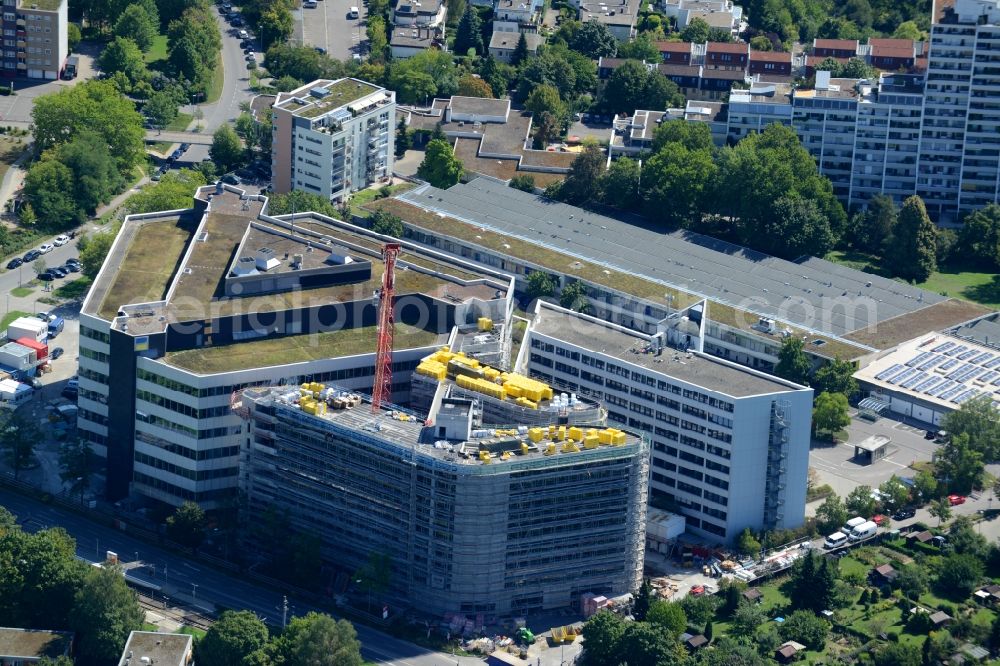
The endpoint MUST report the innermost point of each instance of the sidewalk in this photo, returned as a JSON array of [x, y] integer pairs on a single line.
[[13, 180]]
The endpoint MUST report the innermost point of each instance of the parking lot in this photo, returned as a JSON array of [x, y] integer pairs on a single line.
[[837, 467], [16, 109], [326, 26]]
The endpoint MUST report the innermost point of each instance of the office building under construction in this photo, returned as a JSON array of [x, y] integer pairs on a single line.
[[502, 520]]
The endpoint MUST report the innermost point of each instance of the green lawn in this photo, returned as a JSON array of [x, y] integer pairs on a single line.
[[215, 86], [370, 194], [21, 292], [193, 631], [158, 51], [75, 289], [11, 316], [180, 123]]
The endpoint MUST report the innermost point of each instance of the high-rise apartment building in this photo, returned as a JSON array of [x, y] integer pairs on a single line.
[[35, 38], [332, 138]]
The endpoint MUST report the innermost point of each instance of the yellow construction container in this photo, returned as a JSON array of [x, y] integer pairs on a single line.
[[590, 442], [575, 433], [570, 447], [491, 373], [485, 324], [552, 432], [619, 438], [561, 434], [525, 449], [604, 437], [530, 404], [512, 390], [505, 455], [549, 450], [536, 435]]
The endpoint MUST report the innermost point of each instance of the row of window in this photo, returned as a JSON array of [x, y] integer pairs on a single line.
[[183, 493], [193, 475], [93, 334], [187, 452]]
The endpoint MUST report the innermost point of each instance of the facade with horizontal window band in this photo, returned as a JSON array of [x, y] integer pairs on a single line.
[[497, 521], [193, 305], [730, 446]]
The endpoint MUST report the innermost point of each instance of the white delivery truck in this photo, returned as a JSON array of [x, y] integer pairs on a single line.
[[863, 531], [851, 524]]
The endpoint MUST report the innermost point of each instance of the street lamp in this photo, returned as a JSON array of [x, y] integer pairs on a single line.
[[194, 590]]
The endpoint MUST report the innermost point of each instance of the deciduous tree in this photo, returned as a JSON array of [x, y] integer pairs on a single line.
[[136, 24], [440, 167], [231, 638], [227, 149], [831, 413], [911, 252], [793, 364], [595, 40], [187, 525], [957, 466], [104, 612]]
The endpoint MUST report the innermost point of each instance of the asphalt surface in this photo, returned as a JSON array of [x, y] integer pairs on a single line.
[[25, 273], [201, 586], [326, 26]]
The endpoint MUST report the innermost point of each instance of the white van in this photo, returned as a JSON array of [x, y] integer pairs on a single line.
[[354, 13], [851, 524], [863, 531], [835, 540]]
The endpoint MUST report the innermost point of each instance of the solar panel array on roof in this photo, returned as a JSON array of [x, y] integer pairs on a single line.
[[965, 356], [949, 364], [964, 395], [947, 395], [982, 359], [928, 383], [931, 362], [914, 380], [955, 351], [988, 377], [885, 374], [920, 358], [941, 388], [943, 348], [903, 376], [992, 364], [698, 264]]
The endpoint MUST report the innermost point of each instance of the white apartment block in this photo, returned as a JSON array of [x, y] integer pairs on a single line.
[[730, 445], [332, 138], [35, 38]]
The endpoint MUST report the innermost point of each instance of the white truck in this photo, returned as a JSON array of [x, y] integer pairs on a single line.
[[863, 531]]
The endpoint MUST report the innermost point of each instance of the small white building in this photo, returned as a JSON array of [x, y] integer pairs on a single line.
[[408, 41], [503, 44], [17, 357], [425, 13], [13, 394]]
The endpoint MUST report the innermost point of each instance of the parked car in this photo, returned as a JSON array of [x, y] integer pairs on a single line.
[[61, 240], [57, 271], [156, 176], [231, 179], [14, 263], [71, 268], [47, 276], [955, 500], [43, 315], [251, 57], [184, 147], [904, 513], [175, 155], [70, 392], [878, 519], [56, 353], [320, 50], [45, 248], [930, 434], [31, 256]]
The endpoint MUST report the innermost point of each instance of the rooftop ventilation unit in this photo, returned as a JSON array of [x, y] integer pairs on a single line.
[[319, 92], [266, 259]]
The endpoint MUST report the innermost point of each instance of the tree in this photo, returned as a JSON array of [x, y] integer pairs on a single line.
[[574, 297], [894, 494], [318, 640], [697, 31], [958, 575], [595, 40], [50, 185], [876, 225], [136, 24], [693, 136], [524, 182], [979, 237], [226, 150], [957, 466], [18, 437], [644, 597], [96, 178], [543, 100], [793, 364], [831, 414], [124, 55], [963, 538], [440, 167], [104, 612], [641, 48], [897, 654], [187, 525], [73, 36], [979, 420], [601, 636], [676, 183], [404, 140], [797, 227], [76, 465], [644, 643], [747, 544], [374, 577], [384, 222], [619, 186], [909, 30], [747, 618], [831, 514], [911, 250], [632, 87], [700, 610], [469, 36], [161, 109], [520, 53], [540, 284], [860, 502], [231, 638], [926, 485], [583, 181], [276, 24], [474, 86], [805, 627], [94, 250], [90, 105], [940, 509], [912, 581], [837, 376], [298, 201], [669, 615], [761, 43]]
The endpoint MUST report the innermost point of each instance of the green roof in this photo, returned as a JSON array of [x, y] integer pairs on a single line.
[[341, 93], [48, 5]]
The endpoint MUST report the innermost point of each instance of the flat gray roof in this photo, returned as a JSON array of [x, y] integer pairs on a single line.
[[632, 347], [811, 293], [161, 648]]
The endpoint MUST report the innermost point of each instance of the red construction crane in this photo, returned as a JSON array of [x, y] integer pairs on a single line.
[[382, 391]]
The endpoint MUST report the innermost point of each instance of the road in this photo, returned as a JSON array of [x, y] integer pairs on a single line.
[[328, 27], [195, 583], [152, 136], [236, 86]]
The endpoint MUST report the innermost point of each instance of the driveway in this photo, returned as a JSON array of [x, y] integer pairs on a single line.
[[328, 27], [16, 109]]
